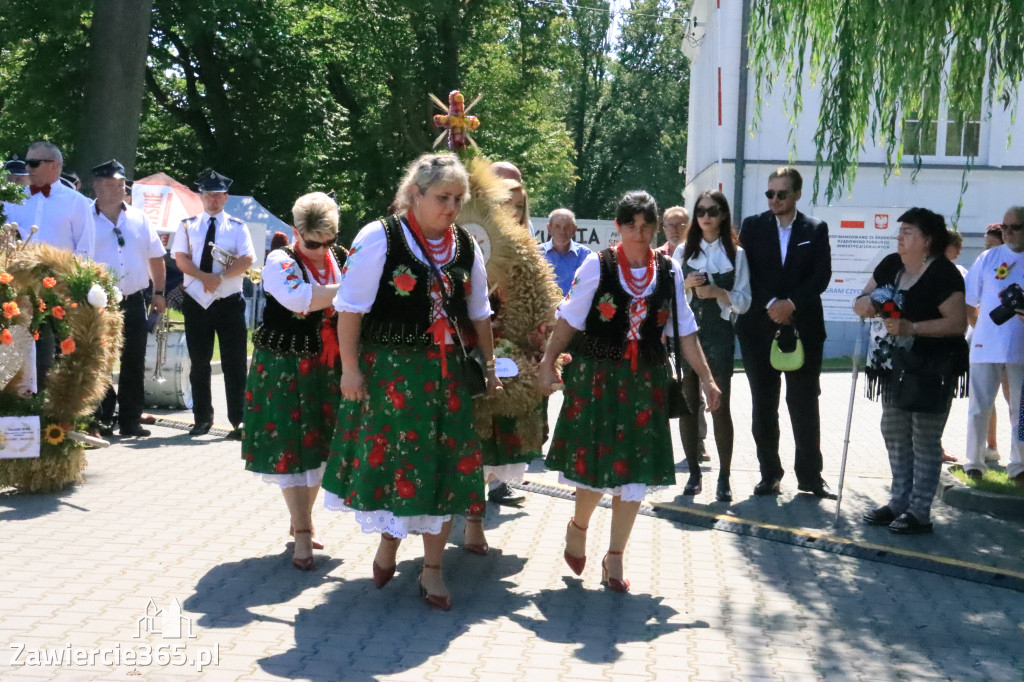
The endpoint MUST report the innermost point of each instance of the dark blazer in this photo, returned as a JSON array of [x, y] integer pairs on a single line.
[[803, 278]]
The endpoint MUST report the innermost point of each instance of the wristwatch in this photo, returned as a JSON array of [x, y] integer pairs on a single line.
[[158, 293]]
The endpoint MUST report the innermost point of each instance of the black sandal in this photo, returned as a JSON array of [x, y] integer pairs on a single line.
[[882, 516], [908, 524]]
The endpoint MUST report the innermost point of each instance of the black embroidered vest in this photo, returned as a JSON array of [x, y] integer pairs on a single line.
[[289, 334], [401, 313], [607, 324]]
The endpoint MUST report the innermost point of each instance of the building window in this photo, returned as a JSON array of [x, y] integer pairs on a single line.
[[938, 129]]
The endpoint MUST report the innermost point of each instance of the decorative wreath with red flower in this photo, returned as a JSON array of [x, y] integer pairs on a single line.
[[42, 284]]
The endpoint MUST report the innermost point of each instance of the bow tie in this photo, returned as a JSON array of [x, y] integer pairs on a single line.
[[36, 189]]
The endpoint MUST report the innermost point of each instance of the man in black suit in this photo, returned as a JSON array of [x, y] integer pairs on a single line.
[[790, 267]]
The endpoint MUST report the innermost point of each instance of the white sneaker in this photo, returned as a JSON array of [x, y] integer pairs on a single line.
[[991, 454]]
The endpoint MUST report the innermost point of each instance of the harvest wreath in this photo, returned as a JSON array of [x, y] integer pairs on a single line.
[[43, 285]]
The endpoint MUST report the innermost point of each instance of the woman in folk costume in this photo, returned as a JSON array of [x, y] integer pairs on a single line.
[[405, 458], [292, 392], [523, 298], [612, 435]]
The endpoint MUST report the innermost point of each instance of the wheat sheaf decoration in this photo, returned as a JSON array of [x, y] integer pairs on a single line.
[[521, 275], [43, 285]]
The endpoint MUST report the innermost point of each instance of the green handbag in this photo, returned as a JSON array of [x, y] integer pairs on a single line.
[[787, 361]]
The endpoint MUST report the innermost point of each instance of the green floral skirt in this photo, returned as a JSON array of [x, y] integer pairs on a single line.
[[613, 428], [291, 405], [410, 449]]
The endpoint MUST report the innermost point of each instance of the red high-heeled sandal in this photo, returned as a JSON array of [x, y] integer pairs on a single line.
[[478, 548], [576, 563], [434, 601], [317, 542], [382, 576], [307, 564], [613, 584]]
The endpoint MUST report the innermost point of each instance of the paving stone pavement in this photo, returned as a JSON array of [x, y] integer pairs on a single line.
[[173, 518]]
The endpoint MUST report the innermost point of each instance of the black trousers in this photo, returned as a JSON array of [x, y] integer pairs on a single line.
[[130, 396], [226, 318], [802, 390]]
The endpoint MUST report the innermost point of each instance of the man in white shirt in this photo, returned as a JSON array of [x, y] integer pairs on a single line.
[[63, 218], [790, 267], [213, 302], [130, 248], [995, 348]]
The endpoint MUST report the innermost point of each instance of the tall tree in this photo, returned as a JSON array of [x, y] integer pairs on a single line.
[[878, 60], [629, 110], [119, 42]]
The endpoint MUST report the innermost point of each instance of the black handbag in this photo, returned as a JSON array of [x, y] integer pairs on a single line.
[[677, 405], [920, 384], [470, 364]]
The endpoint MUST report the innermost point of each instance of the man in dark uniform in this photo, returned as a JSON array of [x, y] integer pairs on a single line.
[[130, 248], [790, 267], [17, 172], [213, 302]]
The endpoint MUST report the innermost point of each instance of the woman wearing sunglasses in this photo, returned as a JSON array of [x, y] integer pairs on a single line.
[[292, 392], [718, 288]]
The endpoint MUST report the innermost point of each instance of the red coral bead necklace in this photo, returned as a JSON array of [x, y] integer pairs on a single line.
[[635, 285], [439, 253]]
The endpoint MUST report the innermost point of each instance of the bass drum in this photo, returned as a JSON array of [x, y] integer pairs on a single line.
[[176, 391]]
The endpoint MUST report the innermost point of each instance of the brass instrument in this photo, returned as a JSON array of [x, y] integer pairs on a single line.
[[227, 259], [162, 328]]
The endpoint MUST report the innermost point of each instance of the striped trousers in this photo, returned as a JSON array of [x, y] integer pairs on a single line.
[[914, 442]]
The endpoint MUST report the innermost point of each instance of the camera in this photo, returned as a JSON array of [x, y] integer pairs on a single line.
[[1011, 299]]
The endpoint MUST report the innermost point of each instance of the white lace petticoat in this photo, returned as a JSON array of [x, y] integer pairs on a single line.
[[383, 521], [630, 492], [307, 479], [506, 473]]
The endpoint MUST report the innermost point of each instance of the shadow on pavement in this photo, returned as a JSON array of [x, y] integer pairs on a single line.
[[898, 622], [599, 620], [225, 595], [23, 506], [361, 632]]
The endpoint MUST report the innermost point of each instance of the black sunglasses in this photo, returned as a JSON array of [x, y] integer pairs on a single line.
[[313, 246], [35, 163], [710, 211], [782, 194], [1016, 227], [119, 235]]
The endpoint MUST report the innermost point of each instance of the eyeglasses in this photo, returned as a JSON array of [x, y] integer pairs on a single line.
[[35, 163], [782, 194], [1015, 227], [119, 235], [710, 211], [313, 245]]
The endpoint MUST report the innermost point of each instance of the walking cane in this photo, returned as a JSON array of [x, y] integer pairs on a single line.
[[858, 347]]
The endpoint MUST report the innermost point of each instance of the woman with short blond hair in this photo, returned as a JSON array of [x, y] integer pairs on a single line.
[[291, 394]]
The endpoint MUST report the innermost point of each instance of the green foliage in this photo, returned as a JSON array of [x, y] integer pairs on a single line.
[[43, 49], [291, 96], [629, 115], [10, 193], [875, 60]]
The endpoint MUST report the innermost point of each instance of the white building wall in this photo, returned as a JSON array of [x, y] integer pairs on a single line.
[[995, 182]]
